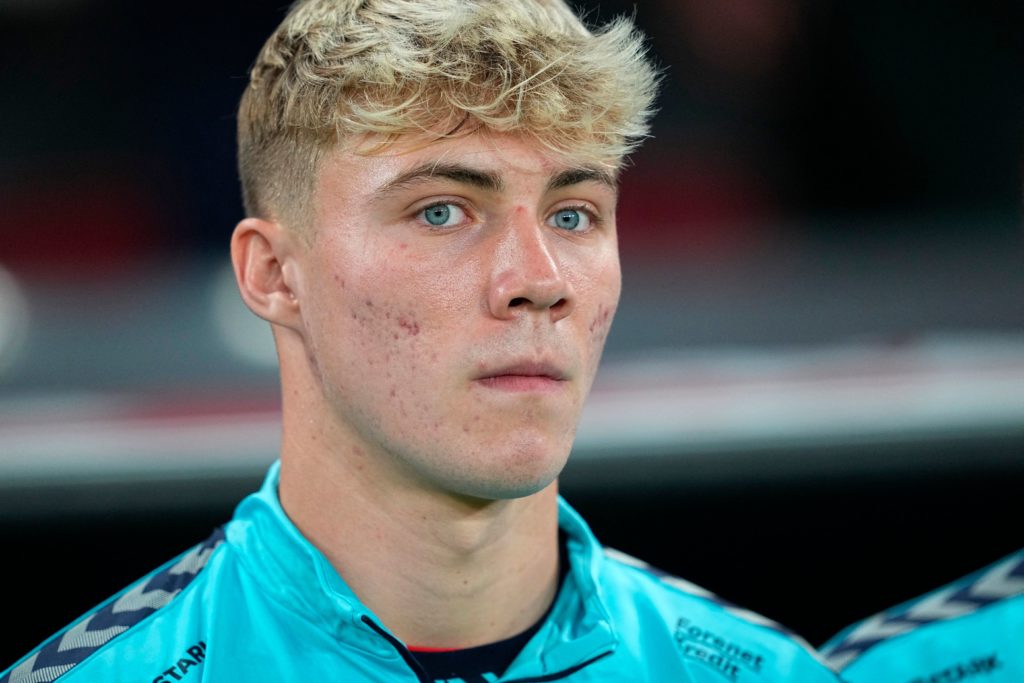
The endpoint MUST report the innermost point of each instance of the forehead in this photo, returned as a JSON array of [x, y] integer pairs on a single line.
[[490, 159]]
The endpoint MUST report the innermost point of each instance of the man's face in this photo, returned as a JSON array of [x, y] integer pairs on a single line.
[[455, 299]]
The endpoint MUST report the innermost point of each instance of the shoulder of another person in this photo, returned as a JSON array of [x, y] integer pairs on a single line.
[[968, 628], [150, 631]]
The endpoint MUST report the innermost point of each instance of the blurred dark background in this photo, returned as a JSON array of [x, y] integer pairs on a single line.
[[813, 400]]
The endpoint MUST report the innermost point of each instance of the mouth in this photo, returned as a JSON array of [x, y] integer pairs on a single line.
[[524, 377]]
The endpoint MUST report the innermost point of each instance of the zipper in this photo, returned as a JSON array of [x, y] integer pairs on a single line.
[[402, 650], [565, 673]]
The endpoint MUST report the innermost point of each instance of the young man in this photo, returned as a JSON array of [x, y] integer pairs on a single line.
[[431, 190]]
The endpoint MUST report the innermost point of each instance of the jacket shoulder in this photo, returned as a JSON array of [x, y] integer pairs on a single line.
[[985, 608], [123, 613], [688, 592], [707, 631]]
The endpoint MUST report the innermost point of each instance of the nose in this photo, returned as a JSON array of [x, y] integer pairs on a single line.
[[527, 276]]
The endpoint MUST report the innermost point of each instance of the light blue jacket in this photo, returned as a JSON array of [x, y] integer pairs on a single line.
[[971, 630], [258, 603]]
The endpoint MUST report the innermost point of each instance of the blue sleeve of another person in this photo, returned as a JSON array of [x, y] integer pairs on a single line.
[[971, 630]]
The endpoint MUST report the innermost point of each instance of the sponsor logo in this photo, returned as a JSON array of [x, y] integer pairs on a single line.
[[194, 656], [727, 657], [976, 666]]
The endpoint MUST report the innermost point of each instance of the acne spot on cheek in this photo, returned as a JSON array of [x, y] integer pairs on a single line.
[[411, 327], [340, 280], [599, 325]]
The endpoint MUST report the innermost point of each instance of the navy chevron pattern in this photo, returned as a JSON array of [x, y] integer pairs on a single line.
[[1003, 580], [69, 648]]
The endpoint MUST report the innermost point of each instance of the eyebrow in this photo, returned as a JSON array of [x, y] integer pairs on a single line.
[[485, 180], [574, 176]]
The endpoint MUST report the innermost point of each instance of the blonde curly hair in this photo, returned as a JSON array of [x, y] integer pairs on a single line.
[[345, 72]]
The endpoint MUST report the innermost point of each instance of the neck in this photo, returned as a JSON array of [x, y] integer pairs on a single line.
[[439, 570], [438, 573]]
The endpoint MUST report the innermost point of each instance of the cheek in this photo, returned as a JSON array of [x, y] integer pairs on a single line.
[[601, 322], [602, 295], [390, 306], [384, 330], [380, 329], [377, 345]]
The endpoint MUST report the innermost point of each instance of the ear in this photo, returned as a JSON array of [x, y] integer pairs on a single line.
[[261, 253]]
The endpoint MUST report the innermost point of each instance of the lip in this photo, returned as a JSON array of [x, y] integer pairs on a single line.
[[526, 376]]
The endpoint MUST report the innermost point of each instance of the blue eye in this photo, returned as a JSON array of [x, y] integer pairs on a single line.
[[443, 215], [570, 219]]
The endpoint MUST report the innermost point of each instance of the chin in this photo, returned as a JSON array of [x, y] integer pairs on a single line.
[[518, 474]]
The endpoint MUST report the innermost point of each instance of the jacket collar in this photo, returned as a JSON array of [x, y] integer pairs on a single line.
[[301, 579], [579, 628], [294, 573]]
